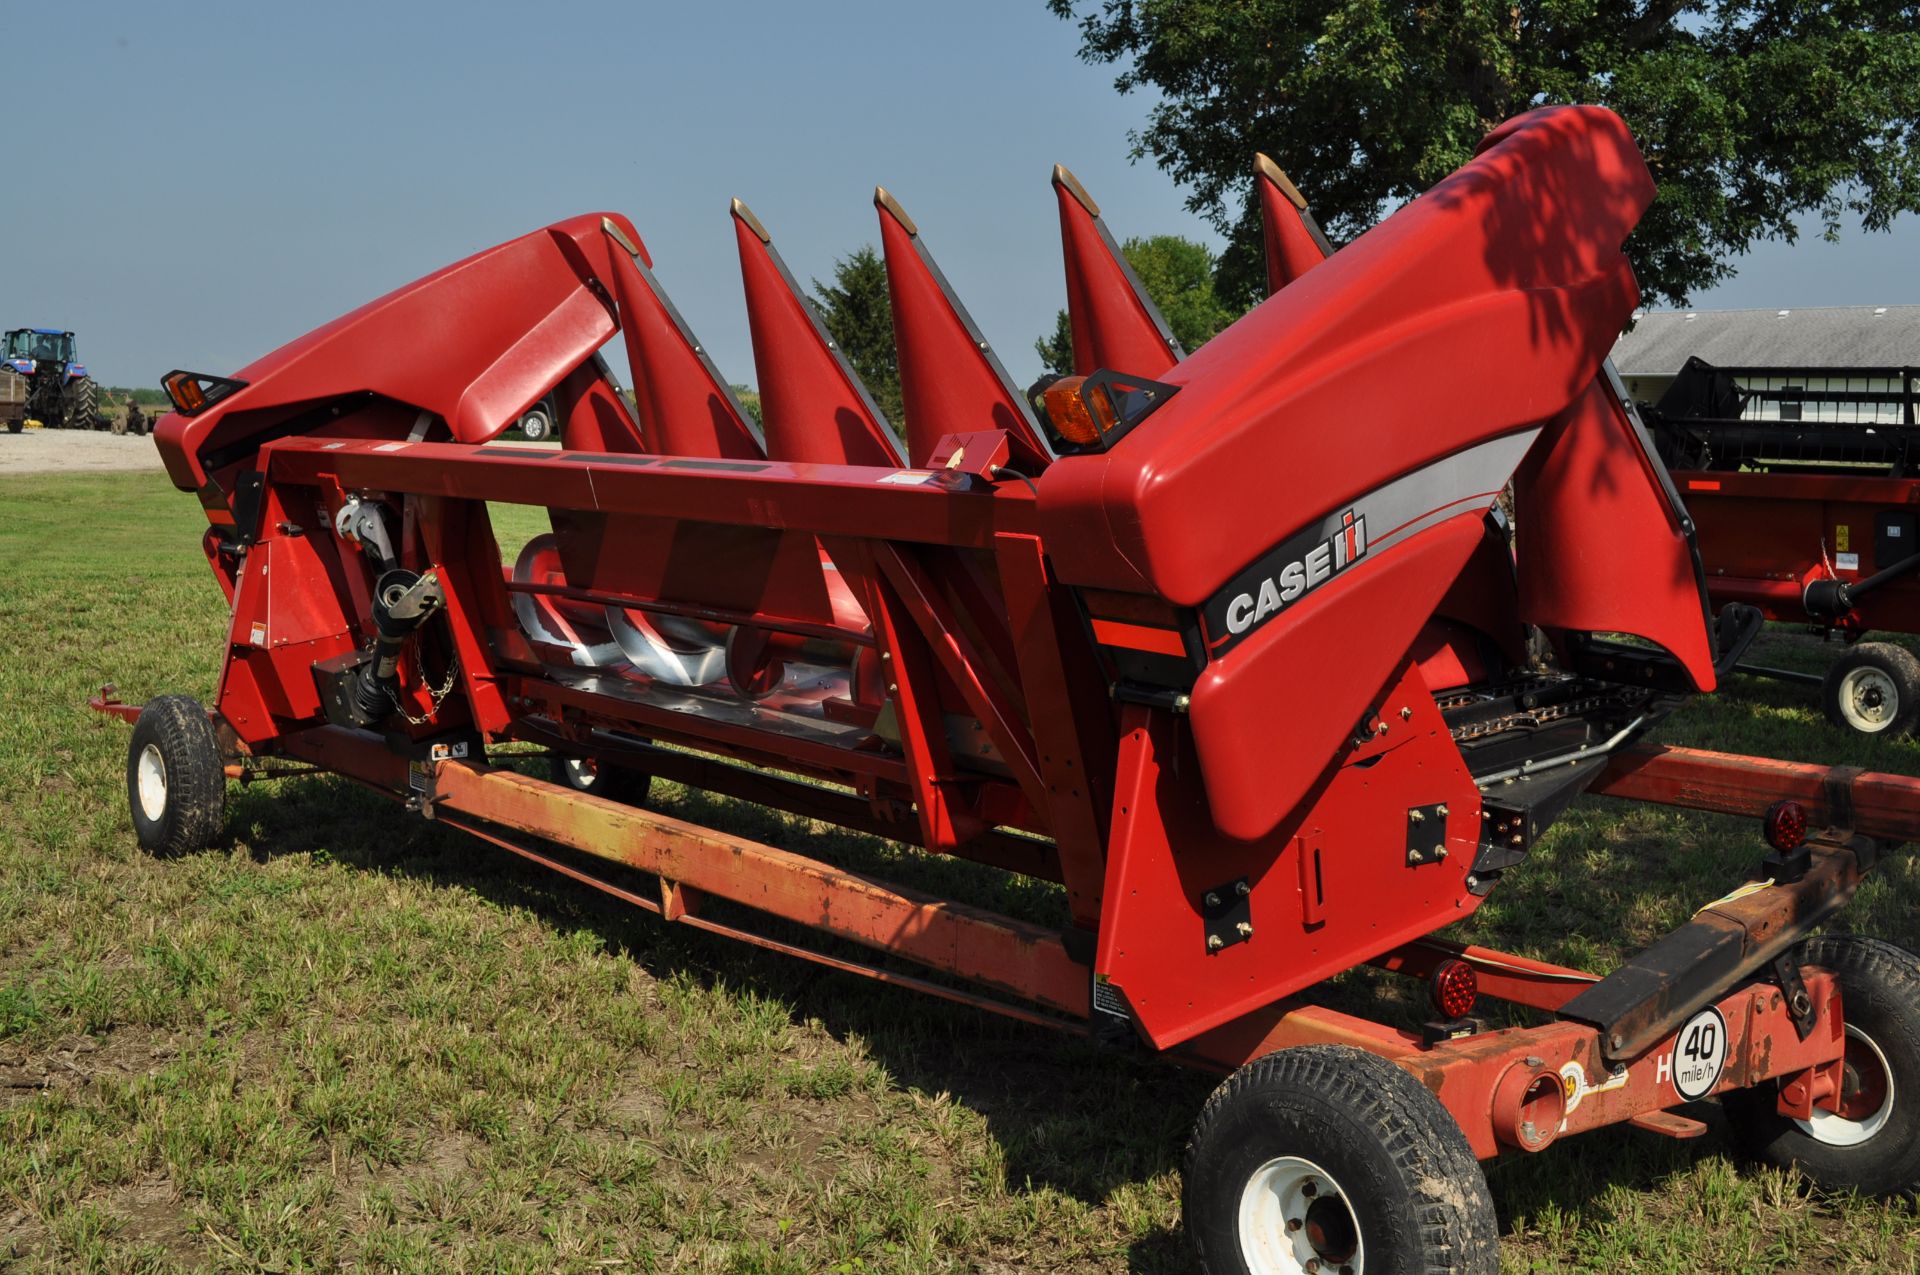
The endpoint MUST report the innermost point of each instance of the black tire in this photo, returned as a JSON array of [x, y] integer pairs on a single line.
[[537, 422], [1877, 1151], [615, 783], [1382, 1179], [14, 427], [176, 787], [80, 405], [1873, 689]]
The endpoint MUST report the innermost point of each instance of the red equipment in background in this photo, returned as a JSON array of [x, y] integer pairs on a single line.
[[1805, 484], [1233, 647]]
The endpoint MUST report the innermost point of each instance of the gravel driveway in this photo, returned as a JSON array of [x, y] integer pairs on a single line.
[[60, 451], [64, 451]]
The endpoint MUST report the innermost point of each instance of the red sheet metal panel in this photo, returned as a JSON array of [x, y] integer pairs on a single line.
[[1315, 676], [1291, 248], [1603, 549], [1115, 323], [503, 326], [811, 401], [1483, 308], [1764, 537], [950, 380], [1338, 882], [686, 408]]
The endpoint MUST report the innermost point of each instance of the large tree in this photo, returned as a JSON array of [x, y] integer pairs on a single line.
[[1179, 275], [858, 313], [1753, 114]]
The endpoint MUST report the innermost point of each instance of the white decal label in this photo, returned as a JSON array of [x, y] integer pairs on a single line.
[[1846, 562], [909, 477], [257, 635], [1576, 1086], [392, 447], [1699, 1054]]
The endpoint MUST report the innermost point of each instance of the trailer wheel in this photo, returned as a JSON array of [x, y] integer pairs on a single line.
[[615, 783], [1874, 689], [176, 787], [1325, 1158], [1872, 1143]]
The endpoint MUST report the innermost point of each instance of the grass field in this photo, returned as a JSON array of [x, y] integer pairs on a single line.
[[349, 1039]]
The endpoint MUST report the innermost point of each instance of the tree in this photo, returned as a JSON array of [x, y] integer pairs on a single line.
[[858, 313], [1752, 113], [1179, 275]]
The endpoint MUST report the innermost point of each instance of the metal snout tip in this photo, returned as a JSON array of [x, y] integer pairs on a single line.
[[885, 202], [1065, 180], [1266, 168], [751, 222]]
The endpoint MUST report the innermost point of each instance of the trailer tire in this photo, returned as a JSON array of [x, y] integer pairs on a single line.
[[176, 786], [596, 779], [14, 427], [1872, 1145], [1382, 1178], [1873, 689]]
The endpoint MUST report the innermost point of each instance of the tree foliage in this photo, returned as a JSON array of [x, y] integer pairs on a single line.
[[858, 313], [1179, 275], [1753, 114]]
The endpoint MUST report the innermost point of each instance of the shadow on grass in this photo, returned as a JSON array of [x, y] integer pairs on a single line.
[[1067, 1116], [1085, 1122]]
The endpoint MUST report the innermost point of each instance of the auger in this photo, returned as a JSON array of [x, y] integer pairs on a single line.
[[1236, 647]]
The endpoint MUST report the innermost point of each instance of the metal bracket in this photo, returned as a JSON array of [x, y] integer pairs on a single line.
[[1786, 972], [363, 522], [1426, 834], [1839, 795], [1228, 911]]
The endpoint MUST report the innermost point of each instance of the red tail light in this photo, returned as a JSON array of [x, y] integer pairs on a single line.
[[1455, 988], [1786, 826]]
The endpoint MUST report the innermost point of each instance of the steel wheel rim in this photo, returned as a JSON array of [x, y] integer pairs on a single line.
[[1293, 1212], [1835, 1130], [1868, 699], [150, 783], [534, 425]]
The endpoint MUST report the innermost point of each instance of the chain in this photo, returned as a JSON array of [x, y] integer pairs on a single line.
[[435, 695]]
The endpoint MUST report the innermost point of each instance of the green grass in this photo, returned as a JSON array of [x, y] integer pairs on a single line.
[[349, 1038]]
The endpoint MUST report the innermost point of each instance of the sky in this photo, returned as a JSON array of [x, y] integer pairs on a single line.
[[193, 184]]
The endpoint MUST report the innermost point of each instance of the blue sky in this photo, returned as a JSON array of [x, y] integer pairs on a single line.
[[193, 184]]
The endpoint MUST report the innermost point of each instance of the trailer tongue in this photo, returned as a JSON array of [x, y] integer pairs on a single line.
[[1233, 647]]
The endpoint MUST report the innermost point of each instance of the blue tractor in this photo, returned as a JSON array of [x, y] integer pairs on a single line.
[[60, 394]]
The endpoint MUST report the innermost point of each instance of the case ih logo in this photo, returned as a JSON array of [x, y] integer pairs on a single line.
[[1282, 577]]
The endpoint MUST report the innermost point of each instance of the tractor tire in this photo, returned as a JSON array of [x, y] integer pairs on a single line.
[[615, 783], [176, 785], [80, 405], [1327, 1158], [1872, 1143], [1873, 689]]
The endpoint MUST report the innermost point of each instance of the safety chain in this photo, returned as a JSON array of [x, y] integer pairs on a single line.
[[435, 696]]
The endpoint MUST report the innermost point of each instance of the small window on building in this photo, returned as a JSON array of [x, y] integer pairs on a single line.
[[1790, 402]]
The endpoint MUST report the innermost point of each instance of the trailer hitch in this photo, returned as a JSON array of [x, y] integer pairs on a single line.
[[1645, 1000]]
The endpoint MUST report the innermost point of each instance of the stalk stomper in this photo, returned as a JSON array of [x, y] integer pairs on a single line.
[[1236, 648]]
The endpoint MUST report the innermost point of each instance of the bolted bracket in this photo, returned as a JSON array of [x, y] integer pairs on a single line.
[[1426, 834], [1228, 913], [1800, 1008]]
